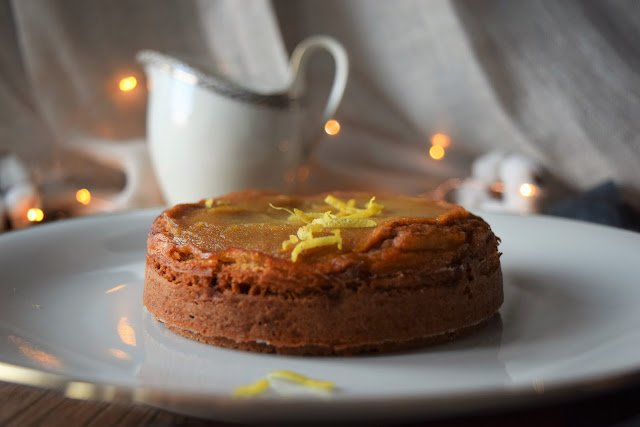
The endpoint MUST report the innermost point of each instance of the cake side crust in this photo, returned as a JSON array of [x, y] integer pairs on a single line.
[[341, 322], [317, 350]]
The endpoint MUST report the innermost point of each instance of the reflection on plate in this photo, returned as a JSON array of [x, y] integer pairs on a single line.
[[71, 318]]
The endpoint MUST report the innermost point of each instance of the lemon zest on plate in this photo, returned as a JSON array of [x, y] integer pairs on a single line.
[[262, 384], [301, 379], [250, 390]]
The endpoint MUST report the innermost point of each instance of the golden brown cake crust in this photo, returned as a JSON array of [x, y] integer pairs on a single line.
[[414, 279]]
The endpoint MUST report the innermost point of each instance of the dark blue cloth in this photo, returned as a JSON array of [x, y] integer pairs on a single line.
[[603, 204]]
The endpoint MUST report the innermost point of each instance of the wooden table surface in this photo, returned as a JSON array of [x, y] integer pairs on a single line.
[[30, 406]]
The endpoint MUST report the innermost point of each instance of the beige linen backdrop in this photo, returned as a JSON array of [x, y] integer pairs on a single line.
[[557, 81]]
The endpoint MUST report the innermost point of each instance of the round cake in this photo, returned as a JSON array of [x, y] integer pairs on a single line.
[[335, 273]]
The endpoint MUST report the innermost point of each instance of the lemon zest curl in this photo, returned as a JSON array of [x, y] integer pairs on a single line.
[[301, 379], [254, 389], [347, 216], [262, 385]]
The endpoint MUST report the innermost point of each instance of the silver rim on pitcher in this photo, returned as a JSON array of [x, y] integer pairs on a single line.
[[191, 75]]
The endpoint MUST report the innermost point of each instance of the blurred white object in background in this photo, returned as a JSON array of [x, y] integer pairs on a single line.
[[82, 86], [132, 158], [503, 182], [209, 136], [476, 71], [19, 198]]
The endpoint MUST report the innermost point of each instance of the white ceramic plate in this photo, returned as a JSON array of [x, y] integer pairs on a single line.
[[71, 318]]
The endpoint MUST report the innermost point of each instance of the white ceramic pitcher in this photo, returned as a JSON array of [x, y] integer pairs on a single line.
[[208, 136]]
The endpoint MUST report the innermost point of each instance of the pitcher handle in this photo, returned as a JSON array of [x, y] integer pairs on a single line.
[[298, 63]]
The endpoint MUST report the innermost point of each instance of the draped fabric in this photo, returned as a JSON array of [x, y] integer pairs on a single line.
[[556, 81], [62, 61]]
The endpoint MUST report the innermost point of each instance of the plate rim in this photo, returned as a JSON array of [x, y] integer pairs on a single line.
[[207, 405]]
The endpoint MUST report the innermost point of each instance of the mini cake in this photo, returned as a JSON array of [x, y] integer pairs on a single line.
[[339, 273]]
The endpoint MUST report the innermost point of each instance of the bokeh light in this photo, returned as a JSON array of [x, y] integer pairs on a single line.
[[441, 140], [126, 332], [35, 215], [527, 190], [83, 196], [128, 83], [332, 127], [436, 152]]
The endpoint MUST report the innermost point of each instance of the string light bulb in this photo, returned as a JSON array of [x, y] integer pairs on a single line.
[[436, 152], [83, 196], [128, 83], [35, 215], [527, 190], [441, 140], [332, 127]]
